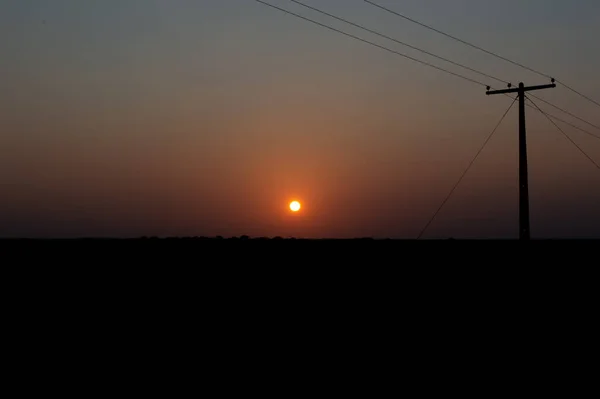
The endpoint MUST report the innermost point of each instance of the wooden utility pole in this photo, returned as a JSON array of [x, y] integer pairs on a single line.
[[524, 233]]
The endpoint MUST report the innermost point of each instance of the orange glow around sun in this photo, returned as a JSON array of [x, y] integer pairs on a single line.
[[295, 206]]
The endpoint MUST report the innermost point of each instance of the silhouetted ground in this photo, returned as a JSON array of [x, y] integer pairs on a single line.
[[411, 250], [255, 252], [184, 278], [274, 240], [216, 240]]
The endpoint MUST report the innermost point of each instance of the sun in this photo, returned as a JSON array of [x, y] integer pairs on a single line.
[[295, 206]]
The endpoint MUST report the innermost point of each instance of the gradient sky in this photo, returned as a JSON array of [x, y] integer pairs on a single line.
[[205, 117]]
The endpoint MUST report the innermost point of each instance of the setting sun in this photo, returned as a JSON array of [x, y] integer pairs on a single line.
[[295, 206]]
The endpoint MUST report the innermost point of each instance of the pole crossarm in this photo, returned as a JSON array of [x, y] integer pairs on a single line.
[[518, 89]]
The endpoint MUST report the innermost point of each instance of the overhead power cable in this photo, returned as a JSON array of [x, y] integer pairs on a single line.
[[481, 49], [562, 120], [373, 44], [425, 63], [565, 134], [466, 171], [399, 42], [436, 56], [563, 110]]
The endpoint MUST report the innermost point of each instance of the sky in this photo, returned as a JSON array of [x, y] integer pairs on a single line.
[[130, 118]]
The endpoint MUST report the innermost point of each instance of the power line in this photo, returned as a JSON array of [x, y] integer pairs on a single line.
[[565, 111], [398, 41], [480, 49], [576, 92], [427, 64], [556, 118], [454, 38], [447, 60], [416, 60], [372, 44], [432, 66], [466, 170], [566, 135]]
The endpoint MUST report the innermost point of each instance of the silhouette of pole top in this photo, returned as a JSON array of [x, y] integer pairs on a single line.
[[520, 89]]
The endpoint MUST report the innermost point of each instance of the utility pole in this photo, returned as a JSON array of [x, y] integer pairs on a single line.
[[524, 233]]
